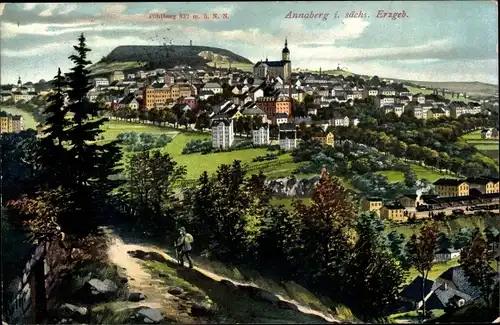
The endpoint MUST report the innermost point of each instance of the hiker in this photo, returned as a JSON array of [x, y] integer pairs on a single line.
[[183, 247]]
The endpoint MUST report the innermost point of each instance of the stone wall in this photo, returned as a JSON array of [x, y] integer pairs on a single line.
[[21, 308]]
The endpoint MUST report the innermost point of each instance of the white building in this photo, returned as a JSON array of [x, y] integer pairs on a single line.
[[222, 132], [381, 101], [260, 136], [117, 75], [444, 255], [339, 120], [288, 136], [281, 118], [101, 82], [212, 86]]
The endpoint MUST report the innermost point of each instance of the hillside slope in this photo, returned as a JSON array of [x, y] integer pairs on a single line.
[[151, 271], [167, 56]]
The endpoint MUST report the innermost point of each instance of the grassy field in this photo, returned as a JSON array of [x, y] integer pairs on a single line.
[[488, 147], [99, 68], [421, 172], [236, 65], [437, 269], [414, 90], [29, 121], [113, 128]]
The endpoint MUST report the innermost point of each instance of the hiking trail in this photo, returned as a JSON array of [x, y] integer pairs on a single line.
[[245, 300]]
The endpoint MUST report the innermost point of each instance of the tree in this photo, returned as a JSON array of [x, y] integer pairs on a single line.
[[463, 238], [422, 248], [150, 188], [91, 164], [373, 276], [396, 241], [444, 242], [327, 234], [410, 178], [475, 260]]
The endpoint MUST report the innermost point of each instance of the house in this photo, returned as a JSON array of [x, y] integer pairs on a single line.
[[381, 101], [100, 82], [371, 204], [483, 185], [116, 76], [339, 120], [436, 295], [260, 135], [206, 94], [327, 139], [191, 101], [255, 112], [273, 105], [11, 123], [212, 86], [491, 133], [222, 131], [393, 212], [408, 201], [181, 107], [129, 102], [419, 98], [435, 113], [281, 118], [444, 255], [288, 136], [370, 92], [456, 278], [451, 187]]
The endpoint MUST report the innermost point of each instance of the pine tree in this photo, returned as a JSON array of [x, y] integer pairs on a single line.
[[54, 156], [91, 164]]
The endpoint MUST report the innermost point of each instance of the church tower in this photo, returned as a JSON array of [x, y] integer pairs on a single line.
[[19, 83], [285, 54]]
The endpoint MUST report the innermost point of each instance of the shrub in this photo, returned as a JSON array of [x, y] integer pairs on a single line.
[[193, 146], [267, 157]]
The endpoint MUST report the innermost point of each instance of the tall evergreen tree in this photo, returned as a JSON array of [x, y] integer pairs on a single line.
[[91, 163], [53, 156]]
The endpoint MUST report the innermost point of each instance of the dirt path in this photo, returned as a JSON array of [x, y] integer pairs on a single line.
[[141, 281], [157, 296]]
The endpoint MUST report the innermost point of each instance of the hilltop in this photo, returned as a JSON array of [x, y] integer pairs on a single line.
[[134, 57]]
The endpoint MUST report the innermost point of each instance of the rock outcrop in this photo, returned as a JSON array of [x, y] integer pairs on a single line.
[[293, 187]]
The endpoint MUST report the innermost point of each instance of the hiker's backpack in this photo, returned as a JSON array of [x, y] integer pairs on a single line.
[[189, 239]]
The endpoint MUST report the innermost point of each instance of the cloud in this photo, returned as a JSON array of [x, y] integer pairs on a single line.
[[113, 10], [50, 10], [30, 6]]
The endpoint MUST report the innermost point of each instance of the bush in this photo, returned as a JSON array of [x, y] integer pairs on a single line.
[[193, 146], [267, 157], [143, 141]]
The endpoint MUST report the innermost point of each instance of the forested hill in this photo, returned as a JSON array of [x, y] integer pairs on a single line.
[[168, 56]]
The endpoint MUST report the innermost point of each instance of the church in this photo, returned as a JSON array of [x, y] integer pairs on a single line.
[[283, 68]]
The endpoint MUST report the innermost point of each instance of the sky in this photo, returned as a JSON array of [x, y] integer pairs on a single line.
[[435, 41]]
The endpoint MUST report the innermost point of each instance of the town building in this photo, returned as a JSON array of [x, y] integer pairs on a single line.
[[212, 86], [274, 105], [435, 113], [371, 204], [101, 82], [408, 201], [288, 136], [116, 76], [260, 135], [394, 212], [222, 131], [327, 139], [451, 187], [447, 254], [282, 68], [11, 123]]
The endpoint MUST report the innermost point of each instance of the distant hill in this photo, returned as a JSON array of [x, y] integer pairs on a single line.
[[470, 87], [135, 57]]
